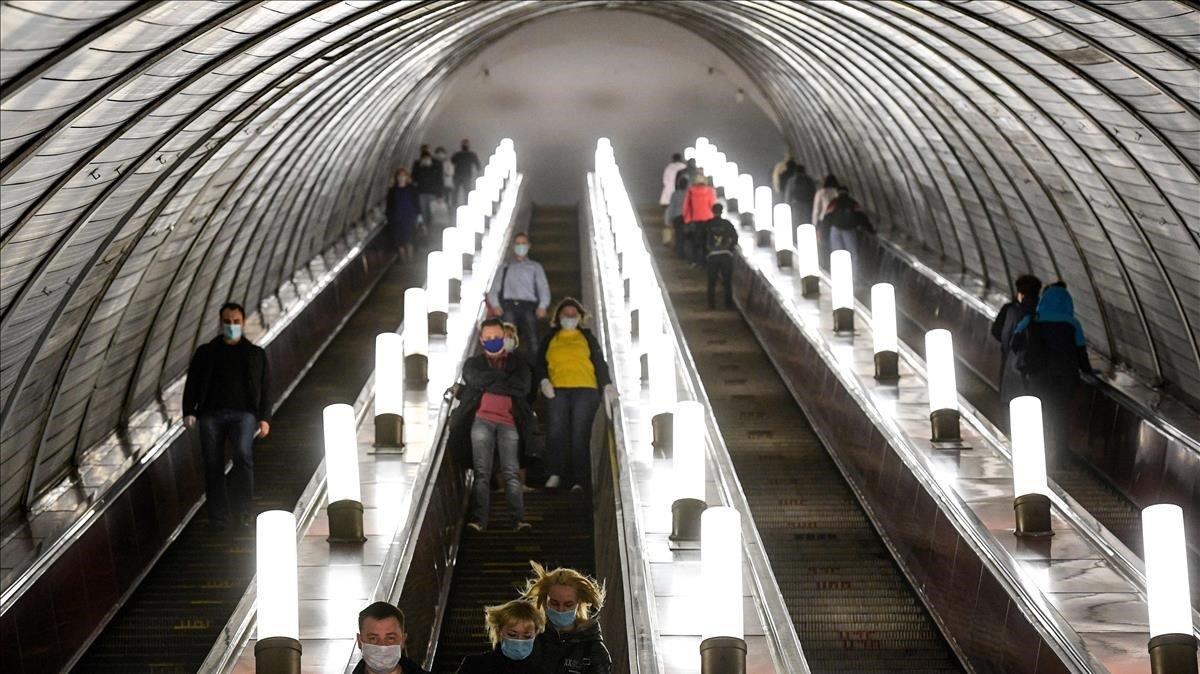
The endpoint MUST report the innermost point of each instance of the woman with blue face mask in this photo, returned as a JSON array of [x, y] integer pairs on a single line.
[[513, 629], [571, 642]]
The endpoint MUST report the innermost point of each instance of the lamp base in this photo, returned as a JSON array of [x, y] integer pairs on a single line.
[[663, 427], [635, 320], [1032, 513], [783, 259], [455, 287], [345, 522], [732, 206], [645, 363], [746, 221], [843, 320], [762, 238], [723, 655], [810, 287], [277, 655], [416, 368], [389, 430], [887, 366], [478, 240], [1173, 654], [685, 519], [468, 261], [944, 425], [437, 323]]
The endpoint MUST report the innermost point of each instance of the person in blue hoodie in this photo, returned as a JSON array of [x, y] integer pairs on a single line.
[[1050, 351]]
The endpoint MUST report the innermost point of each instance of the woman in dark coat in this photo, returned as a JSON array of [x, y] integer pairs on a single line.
[[402, 212], [1024, 304]]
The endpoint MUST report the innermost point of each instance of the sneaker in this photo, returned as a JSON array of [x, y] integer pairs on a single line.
[[526, 488], [577, 487], [522, 526], [475, 526], [553, 482]]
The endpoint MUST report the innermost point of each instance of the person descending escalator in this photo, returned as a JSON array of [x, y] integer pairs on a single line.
[[520, 292], [466, 169], [720, 241], [403, 211], [427, 174], [513, 628], [571, 642], [381, 638]]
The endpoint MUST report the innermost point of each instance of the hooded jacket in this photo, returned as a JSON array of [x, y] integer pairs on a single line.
[[1061, 344], [580, 651]]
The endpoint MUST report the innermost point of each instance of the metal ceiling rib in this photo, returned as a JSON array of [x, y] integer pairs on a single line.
[[159, 157]]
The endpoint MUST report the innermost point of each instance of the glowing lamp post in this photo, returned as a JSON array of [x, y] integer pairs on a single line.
[[277, 646], [389, 390], [1031, 504], [660, 366], [729, 177], [416, 337], [1172, 645], [784, 244], [454, 263], [437, 293], [763, 201], [722, 645], [341, 472], [841, 273], [883, 329], [689, 153], [687, 464], [943, 391], [806, 264]]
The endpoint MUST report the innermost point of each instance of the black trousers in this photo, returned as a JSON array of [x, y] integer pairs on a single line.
[[720, 266]]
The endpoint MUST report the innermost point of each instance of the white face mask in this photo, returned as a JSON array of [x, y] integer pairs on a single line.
[[510, 344], [381, 659], [569, 323]]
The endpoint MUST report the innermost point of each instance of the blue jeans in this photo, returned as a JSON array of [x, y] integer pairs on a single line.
[[569, 434], [844, 239], [237, 428], [489, 438], [524, 316]]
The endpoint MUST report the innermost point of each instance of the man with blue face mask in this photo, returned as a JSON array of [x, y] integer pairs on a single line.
[[491, 419], [521, 293], [227, 397]]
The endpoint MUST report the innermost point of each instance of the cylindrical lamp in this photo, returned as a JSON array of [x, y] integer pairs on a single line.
[[416, 337], [389, 390], [764, 200], [689, 153], [452, 258], [437, 293], [341, 474], [781, 223], [722, 645], [883, 331], [1032, 495], [687, 467], [277, 646], [841, 275], [1172, 643], [806, 251], [745, 191], [664, 393], [943, 391]]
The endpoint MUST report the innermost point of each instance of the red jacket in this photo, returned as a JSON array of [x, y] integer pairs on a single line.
[[698, 203]]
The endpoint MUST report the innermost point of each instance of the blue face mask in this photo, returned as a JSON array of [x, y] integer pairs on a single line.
[[521, 249], [516, 649], [560, 619], [493, 345], [231, 332]]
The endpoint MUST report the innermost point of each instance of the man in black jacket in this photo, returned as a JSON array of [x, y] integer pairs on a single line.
[[381, 638], [466, 169], [1024, 303], [492, 417], [427, 174], [227, 395], [720, 240]]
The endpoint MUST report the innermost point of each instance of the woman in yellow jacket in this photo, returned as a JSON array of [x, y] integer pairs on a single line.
[[572, 372]]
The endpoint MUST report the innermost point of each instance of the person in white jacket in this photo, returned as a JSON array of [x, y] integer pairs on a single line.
[[668, 182], [822, 199]]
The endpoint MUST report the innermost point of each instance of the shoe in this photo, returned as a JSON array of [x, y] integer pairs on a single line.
[[553, 482], [526, 488], [522, 526], [475, 526], [577, 487]]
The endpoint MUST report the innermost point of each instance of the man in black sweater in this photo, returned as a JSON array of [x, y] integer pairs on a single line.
[[226, 396], [720, 240]]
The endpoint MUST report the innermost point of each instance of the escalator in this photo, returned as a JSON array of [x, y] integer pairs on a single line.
[[491, 565], [852, 607], [175, 615]]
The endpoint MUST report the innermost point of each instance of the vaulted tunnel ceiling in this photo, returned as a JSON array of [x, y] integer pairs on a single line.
[[159, 157]]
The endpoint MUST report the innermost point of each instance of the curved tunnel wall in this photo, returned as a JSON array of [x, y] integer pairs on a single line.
[[158, 158]]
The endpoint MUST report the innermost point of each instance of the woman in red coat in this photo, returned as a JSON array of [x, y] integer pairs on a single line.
[[697, 209]]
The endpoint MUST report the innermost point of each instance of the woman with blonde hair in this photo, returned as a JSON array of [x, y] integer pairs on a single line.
[[513, 628], [572, 643]]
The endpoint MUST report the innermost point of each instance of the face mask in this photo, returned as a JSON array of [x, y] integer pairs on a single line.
[[516, 649], [521, 249], [440, 155], [231, 332], [510, 344], [569, 323], [426, 161], [560, 619], [381, 659], [493, 345]]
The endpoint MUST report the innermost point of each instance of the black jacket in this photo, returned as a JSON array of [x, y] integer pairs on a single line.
[[199, 377], [541, 369], [1011, 382], [407, 666], [719, 236], [466, 166], [494, 662], [479, 377], [800, 190], [846, 213], [429, 179], [581, 651]]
